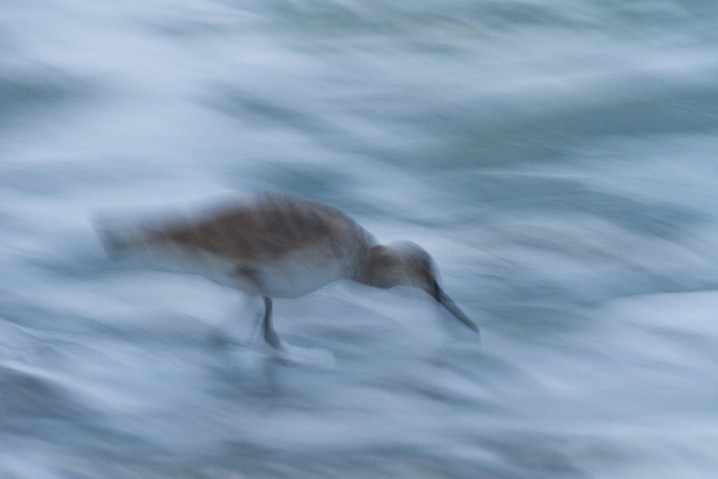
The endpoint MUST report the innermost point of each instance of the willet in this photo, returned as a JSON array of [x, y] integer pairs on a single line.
[[276, 246]]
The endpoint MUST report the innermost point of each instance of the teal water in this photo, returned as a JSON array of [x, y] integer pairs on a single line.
[[558, 160]]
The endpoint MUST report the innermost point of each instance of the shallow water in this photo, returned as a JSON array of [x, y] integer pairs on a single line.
[[556, 158]]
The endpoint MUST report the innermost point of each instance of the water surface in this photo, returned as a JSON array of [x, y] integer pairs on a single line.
[[556, 158]]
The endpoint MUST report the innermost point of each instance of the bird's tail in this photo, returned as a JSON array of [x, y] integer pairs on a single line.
[[119, 237]]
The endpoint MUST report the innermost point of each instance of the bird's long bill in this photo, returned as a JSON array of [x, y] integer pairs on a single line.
[[448, 303]]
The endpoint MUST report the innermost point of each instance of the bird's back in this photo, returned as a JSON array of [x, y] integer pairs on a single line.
[[291, 245], [267, 228]]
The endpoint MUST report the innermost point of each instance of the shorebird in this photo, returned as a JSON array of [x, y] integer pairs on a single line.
[[276, 246]]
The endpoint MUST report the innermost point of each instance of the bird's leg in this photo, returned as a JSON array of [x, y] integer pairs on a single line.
[[252, 276], [270, 335]]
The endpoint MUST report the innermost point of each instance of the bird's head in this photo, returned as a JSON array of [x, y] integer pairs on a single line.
[[407, 264]]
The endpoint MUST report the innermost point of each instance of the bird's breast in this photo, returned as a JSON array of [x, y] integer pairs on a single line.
[[292, 275]]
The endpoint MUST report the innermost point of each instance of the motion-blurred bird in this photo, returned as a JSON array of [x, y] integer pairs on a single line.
[[276, 246]]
